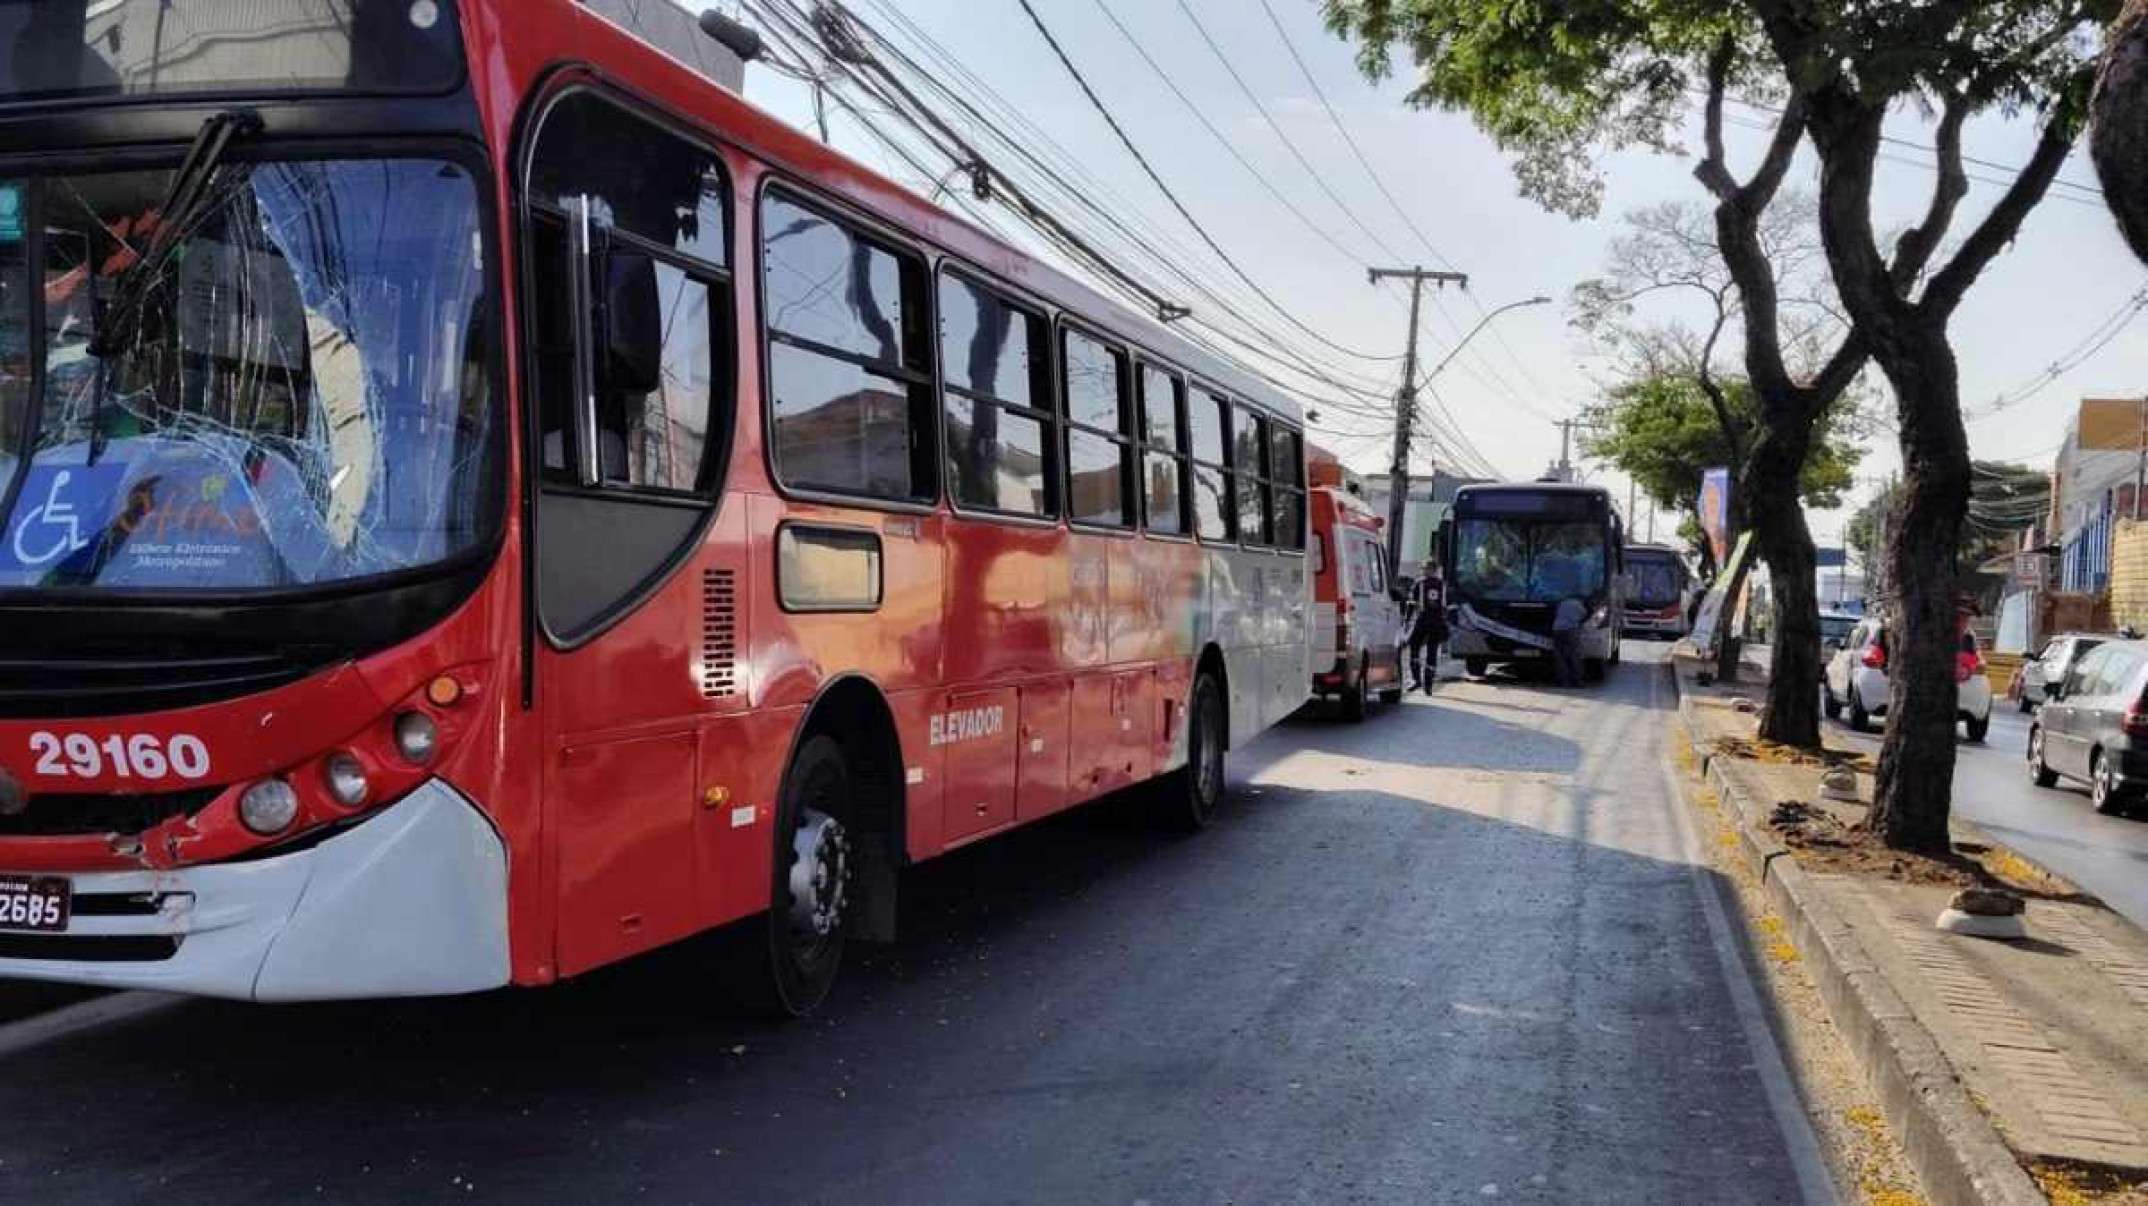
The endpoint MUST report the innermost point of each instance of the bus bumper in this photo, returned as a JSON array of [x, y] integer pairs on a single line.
[[413, 902]]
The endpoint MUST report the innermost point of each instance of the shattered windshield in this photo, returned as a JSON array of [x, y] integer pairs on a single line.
[[299, 393], [1528, 561]]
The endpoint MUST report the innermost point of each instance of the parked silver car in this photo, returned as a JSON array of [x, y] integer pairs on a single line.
[[2049, 666]]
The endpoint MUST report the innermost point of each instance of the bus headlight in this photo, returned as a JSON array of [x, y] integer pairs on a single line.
[[1600, 617], [346, 779], [268, 807], [416, 737]]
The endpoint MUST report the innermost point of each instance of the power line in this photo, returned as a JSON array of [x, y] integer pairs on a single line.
[[1343, 128], [1157, 179], [1209, 125], [1317, 176]]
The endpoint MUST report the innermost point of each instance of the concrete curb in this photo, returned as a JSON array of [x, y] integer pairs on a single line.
[[1954, 1147]]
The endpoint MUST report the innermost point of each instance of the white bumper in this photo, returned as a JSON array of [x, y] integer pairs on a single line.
[[413, 902]]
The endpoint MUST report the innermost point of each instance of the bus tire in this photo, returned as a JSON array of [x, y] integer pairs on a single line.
[[1185, 800], [1593, 669], [1475, 667], [1356, 696], [795, 949]]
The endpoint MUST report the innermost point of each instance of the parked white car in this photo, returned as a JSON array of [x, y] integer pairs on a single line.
[[1856, 681], [2051, 664]]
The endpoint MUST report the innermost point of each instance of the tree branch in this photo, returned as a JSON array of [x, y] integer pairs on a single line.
[[2004, 221], [1713, 171], [1915, 249]]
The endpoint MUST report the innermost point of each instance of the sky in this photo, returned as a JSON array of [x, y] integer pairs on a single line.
[[2066, 276]]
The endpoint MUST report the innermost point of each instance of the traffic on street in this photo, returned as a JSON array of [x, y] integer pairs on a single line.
[[919, 601], [1467, 950]]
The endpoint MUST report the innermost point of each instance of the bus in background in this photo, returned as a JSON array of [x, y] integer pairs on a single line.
[[1357, 619], [480, 500], [1658, 587], [1513, 553]]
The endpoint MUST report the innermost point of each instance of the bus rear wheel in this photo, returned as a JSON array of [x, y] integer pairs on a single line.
[[1356, 697], [796, 947], [1186, 799]]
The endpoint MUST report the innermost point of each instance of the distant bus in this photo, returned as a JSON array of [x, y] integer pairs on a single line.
[[1512, 553], [1657, 586]]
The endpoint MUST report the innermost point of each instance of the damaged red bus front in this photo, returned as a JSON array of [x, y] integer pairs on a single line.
[[253, 502]]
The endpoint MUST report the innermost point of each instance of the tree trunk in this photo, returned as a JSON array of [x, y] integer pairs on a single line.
[[2118, 139], [1915, 790], [1772, 468], [1727, 644]]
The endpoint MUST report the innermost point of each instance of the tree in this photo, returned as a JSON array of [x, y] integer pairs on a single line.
[[1554, 82], [1663, 432], [2120, 113]]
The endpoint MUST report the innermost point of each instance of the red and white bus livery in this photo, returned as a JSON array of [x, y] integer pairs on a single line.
[[478, 500]]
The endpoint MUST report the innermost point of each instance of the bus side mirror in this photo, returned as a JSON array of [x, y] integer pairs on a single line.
[[633, 330]]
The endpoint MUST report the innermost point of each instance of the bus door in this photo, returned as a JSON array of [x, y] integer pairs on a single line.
[[629, 333]]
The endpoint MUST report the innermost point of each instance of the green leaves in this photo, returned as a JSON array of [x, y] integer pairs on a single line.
[[1661, 430]]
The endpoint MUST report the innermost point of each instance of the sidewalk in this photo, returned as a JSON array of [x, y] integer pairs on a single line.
[[1996, 1061]]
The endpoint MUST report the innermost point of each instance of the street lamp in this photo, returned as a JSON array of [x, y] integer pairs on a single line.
[[1456, 350]]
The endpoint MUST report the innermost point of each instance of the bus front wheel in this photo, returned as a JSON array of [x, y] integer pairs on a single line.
[[794, 950], [1186, 799]]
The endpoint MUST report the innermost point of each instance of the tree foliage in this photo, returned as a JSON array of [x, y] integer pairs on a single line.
[[1661, 431], [1560, 84]]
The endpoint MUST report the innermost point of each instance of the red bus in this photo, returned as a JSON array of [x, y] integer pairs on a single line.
[[479, 500]]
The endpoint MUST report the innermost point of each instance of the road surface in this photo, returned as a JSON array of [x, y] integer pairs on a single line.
[[2108, 856], [1458, 953]]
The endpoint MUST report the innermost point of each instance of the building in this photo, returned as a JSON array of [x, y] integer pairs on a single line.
[[2098, 466]]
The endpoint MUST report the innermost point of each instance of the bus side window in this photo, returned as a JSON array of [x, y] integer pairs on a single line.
[[1213, 501], [996, 401], [1163, 437], [1250, 461], [849, 360], [1286, 497], [1099, 454]]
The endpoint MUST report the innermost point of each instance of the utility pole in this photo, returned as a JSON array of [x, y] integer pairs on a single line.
[[2140, 467], [1566, 441], [1398, 470]]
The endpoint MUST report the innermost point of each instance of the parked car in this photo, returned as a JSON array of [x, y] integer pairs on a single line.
[[2094, 727], [1856, 681], [1835, 629], [2032, 683]]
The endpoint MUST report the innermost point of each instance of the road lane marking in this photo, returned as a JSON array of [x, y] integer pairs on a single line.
[[1815, 1185], [36, 1031]]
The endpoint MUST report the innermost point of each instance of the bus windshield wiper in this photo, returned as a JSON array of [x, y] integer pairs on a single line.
[[121, 322], [181, 205]]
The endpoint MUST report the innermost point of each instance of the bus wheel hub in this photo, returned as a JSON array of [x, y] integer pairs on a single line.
[[820, 873]]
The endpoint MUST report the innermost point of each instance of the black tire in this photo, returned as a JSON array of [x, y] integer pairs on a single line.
[[1860, 720], [1391, 695], [2040, 772], [1356, 695], [2026, 706], [1475, 667], [1977, 727], [2103, 790], [1187, 798], [791, 966], [1593, 670], [1829, 705]]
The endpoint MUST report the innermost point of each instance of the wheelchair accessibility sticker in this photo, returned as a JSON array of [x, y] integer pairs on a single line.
[[61, 510]]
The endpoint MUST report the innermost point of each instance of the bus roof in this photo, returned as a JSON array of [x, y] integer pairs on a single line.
[[736, 120]]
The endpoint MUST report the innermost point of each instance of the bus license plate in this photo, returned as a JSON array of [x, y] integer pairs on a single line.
[[34, 903]]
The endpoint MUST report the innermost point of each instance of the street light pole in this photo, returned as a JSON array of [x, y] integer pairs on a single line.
[[1398, 468], [1398, 476]]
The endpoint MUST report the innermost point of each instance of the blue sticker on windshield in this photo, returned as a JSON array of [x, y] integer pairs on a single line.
[[63, 509], [10, 213]]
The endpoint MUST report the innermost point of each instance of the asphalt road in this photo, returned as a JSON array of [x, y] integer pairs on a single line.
[[2056, 826], [1458, 953]]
